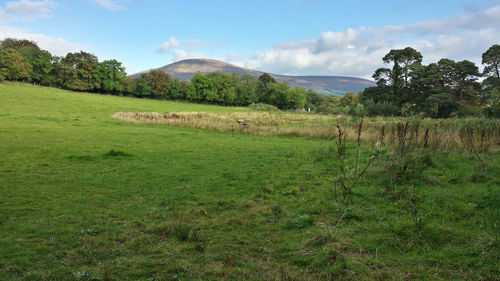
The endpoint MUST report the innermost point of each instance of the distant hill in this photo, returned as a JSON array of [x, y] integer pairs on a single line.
[[329, 85]]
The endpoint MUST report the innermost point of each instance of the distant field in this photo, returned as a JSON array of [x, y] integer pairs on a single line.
[[85, 196]]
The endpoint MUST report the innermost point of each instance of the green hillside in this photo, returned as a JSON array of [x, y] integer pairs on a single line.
[[84, 196]]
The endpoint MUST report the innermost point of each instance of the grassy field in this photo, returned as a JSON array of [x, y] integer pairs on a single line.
[[84, 196]]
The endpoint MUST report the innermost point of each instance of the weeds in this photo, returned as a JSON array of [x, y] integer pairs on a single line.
[[476, 139], [349, 176], [405, 162], [407, 159], [412, 201]]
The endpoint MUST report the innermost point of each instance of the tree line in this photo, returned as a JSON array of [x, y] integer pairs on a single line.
[[225, 89], [442, 89], [22, 60], [439, 90]]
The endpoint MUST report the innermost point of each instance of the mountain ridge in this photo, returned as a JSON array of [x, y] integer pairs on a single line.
[[329, 85]]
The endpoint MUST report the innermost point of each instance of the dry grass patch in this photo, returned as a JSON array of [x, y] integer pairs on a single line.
[[441, 134]]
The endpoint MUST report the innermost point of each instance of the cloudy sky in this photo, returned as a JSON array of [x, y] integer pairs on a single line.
[[297, 37]]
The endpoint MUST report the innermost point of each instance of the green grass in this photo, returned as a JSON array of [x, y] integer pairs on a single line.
[[86, 196]]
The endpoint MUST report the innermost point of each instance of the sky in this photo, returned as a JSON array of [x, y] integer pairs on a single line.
[[294, 37]]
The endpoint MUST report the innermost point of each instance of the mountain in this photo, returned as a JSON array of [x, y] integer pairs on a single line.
[[329, 85]]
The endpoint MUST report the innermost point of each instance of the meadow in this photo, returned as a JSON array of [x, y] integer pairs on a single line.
[[87, 195]]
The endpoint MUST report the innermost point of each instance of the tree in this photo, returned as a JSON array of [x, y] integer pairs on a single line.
[[440, 105], [158, 80], [491, 62], [110, 75], [17, 44], [425, 81], [204, 88], [246, 89], [224, 87], [432, 86], [349, 99], [216, 87], [466, 74], [278, 94], [177, 90], [55, 78], [143, 88], [382, 76], [296, 98], [447, 72], [77, 71], [264, 88], [41, 64], [491, 84], [404, 60], [12, 65], [129, 85], [314, 100], [381, 93]]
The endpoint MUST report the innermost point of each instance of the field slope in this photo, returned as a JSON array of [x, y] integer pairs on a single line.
[[84, 196]]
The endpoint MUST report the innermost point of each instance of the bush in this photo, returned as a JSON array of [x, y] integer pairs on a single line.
[[382, 109], [468, 110], [492, 111], [332, 109], [360, 110]]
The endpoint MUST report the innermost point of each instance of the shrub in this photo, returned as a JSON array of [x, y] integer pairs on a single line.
[[263, 107], [382, 109], [492, 111]]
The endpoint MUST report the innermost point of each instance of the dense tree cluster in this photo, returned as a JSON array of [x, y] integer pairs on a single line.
[[23, 60], [224, 89], [441, 89]]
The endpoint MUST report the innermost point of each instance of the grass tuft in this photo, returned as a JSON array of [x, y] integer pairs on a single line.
[[116, 153]]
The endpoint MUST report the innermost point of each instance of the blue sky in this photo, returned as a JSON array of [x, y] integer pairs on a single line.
[[298, 37]]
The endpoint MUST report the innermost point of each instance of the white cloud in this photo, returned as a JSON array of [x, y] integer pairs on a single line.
[[179, 55], [110, 5], [168, 45], [358, 52], [473, 21], [55, 46], [173, 48], [25, 10]]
